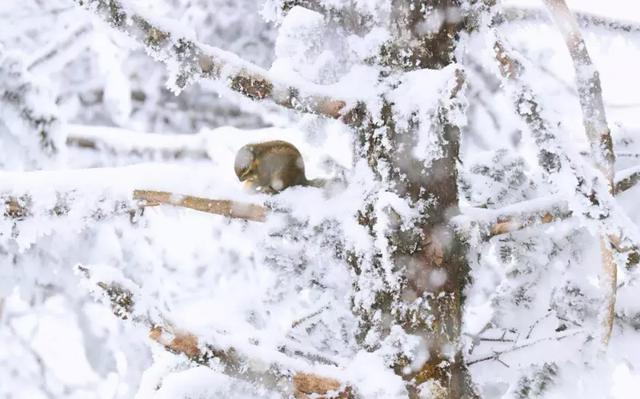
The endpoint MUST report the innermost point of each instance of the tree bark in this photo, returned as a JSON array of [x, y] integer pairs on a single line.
[[428, 257]]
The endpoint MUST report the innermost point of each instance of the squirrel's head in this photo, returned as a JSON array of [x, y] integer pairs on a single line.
[[245, 163]]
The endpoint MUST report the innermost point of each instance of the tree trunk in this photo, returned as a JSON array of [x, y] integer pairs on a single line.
[[428, 259]]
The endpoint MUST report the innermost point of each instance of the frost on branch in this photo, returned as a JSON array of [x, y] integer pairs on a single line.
[[275, 370], [30, 133], [458, 257], [189, 61], [589, 90]]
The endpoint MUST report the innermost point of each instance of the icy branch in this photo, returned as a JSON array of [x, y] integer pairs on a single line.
[[125, 142], [589, 89], [20, 208], [279, 372], [192, 60], [585, 20], [515, 217], [94, 194], [59, 49], [630, 178], [524, 344], [552, 157], [597, 130], [528, 108], [347, 17]]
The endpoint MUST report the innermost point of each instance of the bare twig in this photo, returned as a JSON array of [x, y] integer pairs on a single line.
[[528, 343], [197, 61], [627, 155], [27, 345], [232, 209], [535, 324], [297, 322]]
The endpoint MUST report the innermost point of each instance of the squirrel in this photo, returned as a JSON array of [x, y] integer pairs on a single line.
[[271, 167]]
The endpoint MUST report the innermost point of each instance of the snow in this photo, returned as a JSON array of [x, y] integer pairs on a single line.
[[282, 294]]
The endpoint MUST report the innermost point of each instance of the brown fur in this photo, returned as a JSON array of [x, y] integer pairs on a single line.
[[271, 166]]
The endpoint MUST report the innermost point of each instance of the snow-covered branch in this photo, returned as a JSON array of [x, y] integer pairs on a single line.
[[597, 130], [149, 145], [22, 207], [589, 89], [103, 192], [347, 16], [190, 60], [512, 14], [59, 49], [272, 369], [524, 344], [30, 134], [19, 208], [552, 157], [491, 223], [528, 108], [534, 213], [627, 179]]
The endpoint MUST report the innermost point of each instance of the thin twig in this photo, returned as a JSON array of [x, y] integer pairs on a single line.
[[67, 43], [627, 182], [296, 323], [496, 355], [126, 142], [586, 20], [535, 324]]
